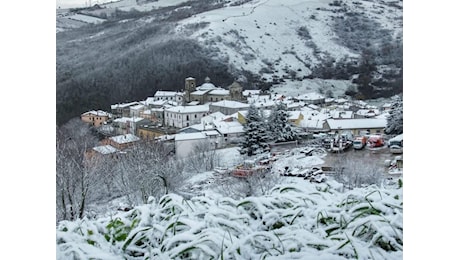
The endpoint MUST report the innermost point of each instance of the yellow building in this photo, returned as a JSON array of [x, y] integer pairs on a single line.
[[95, 118]]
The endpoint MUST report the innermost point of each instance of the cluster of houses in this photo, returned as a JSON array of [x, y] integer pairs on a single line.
[[216, 115]]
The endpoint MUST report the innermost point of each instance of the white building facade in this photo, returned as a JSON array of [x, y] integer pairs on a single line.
[[184, 116]]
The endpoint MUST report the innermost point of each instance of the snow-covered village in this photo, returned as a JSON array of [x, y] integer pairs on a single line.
[[237, 129], [192, 151]]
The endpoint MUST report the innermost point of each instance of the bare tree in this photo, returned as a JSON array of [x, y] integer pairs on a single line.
[[74, 173], [256, 184], [147, 170], [203, 157], [355, 174]]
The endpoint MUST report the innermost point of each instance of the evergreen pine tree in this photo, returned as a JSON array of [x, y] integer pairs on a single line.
[[280, 128], [255, 138], [395, 119]]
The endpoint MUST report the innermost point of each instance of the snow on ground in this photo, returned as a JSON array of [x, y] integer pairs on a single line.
[[229, 157], [127, 5], [251, 39], [85, 18], [296, 88]]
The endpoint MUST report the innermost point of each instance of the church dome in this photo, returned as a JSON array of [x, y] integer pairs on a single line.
[[207, 85]]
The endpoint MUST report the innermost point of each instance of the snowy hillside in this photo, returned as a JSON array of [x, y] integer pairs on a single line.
[[332, 47], [278, 38], [275, 38]]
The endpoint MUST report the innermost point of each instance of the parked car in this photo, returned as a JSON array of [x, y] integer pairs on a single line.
[[359, 142], [396, 144], [396, 149], [375, 141]]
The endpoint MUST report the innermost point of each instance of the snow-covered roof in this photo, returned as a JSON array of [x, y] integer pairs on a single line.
[[266, 112], [206, 86], [123, 105], [137, 107], [105, 149], [340, 100], [268, 103], [293, 115], [211, 133], [163, 93], [341, 114], [312, 106], [316, 123], [229, 127], [193, 128], [193, 103], [220, 92], [190, 136], [123, 139], [360, 103], [96, 113], [149, 100], [188, 109], [165, 137], [230, 104], [291, 105], [383, 115], [364, 123], [211, 117], [158, 103], [128, 119], [199, 92], [310, 96], [368, 112]]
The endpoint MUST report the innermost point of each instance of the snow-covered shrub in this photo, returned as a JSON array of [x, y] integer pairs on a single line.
[[295, 221]]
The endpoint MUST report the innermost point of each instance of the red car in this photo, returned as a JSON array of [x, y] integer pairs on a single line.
[[375, 141]]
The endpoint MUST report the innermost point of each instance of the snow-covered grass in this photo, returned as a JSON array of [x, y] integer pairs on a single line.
[[294, 221], [85, 18]]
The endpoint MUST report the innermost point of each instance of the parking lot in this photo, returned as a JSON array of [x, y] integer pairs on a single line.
[[374, 157]]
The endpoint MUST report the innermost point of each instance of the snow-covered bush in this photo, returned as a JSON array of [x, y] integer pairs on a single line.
[[295, 221]]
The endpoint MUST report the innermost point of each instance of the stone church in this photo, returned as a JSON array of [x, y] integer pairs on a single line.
[[208, 92]]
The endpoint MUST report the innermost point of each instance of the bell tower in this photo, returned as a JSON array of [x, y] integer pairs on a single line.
[[190, 86], [236, 91]]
